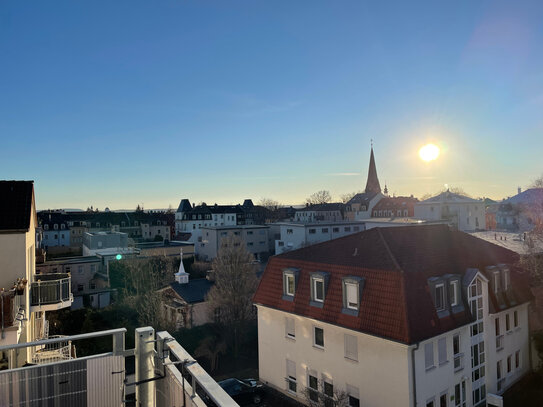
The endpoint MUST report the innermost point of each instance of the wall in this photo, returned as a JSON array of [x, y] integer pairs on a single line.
[[381, 374]]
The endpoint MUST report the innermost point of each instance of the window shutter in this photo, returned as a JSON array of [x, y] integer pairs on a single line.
[[351, 347], [289, 324], [429, 355], [291, 368], [442, 350], [353, 391], [352, 294]]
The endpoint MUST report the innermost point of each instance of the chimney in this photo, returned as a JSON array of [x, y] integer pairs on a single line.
[[181, 277], [519, 190]]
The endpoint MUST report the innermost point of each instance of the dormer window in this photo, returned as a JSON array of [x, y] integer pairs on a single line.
[[290, 279], [55, 226], [318, 289], [440, 296], [453, 294], [497, 285], [319, 283], [46, 227], [62, 226], [352, 290], [506, 279]]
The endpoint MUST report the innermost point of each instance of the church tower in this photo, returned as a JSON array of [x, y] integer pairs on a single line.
[[372, 185]]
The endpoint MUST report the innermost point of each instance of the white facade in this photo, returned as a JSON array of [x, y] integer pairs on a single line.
[[297, 235], [462, 212], [456, 368], [254, 236]]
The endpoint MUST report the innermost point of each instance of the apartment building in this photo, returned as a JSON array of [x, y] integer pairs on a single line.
[[254, 236], [25, 296], [407, 316], [460, 211], [328, 212]]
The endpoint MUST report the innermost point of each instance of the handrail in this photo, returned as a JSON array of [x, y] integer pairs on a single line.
[[89, 335]]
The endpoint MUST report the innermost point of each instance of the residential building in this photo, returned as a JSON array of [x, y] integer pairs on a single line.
[[96, 241], [462, 212], [395, 207], [254, 236], [522, 212], [327, 212], [55, 231], [360, 206], [406, 316], [193, 220], [26, 296]]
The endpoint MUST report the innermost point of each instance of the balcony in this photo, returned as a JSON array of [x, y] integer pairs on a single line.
[[51, 292], [12, 315]]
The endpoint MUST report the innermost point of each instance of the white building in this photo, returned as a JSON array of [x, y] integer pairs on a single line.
[[328, 212], [254, 236], [462, 212], [394, 317]]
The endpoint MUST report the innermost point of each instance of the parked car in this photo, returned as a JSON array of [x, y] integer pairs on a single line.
[[243, 391]]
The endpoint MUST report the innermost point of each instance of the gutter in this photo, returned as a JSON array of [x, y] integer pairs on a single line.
[[414, 373]]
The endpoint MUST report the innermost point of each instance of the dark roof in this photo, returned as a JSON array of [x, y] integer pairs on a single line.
[[16, 204], [530, 196], [184, 206], [372, 184], [194, 291], [362, 198], [396, 264], [396, 202], [448, 196]]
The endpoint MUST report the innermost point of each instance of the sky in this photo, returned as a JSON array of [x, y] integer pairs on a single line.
[[115, 104]]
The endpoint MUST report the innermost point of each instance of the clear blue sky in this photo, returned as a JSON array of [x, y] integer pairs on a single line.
[[118, 103]]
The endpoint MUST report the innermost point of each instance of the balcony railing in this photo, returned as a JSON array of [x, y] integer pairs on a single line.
[[50, 289]]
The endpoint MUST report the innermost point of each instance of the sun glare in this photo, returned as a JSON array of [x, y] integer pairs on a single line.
[[429, 152]]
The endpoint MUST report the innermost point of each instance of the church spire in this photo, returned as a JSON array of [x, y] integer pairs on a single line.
[[372, 185]]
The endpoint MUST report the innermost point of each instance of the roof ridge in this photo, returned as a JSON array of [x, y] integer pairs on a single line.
[[392, 257]]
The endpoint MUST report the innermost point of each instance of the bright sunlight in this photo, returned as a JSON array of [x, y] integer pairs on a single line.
[[429, 152]]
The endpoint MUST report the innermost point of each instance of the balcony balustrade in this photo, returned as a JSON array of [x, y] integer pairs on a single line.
[[51, 292]]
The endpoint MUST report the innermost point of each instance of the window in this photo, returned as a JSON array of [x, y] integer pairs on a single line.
[[335, 230], [313, 385], [80, 269], [291, 376], [289, 282], [55, 226], [290, 328], [507, 323], [80, 287], [289, 231], [517, 359], [430, 403], [92, 285], [453, 293], [442, 350], [328, 390], [324, 230], [456, 353], [506, 277], [515, 319], [356, 228], [443, 400], [318, 337], [440, 297], [312, 231], [351, 347], [429, 355], [354, 396], [497, 323], [351, 293], [249, 232], [46, 227], [347, 228], [68, 269], [318, 289], [496, 282]]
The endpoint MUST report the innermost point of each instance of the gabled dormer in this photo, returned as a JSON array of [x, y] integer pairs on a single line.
[[447, 294]]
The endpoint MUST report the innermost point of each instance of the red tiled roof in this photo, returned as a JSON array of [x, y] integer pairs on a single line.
[[396, 264], [395, 203]]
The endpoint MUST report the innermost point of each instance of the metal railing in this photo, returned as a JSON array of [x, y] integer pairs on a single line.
[[53, 352], [50, 289]]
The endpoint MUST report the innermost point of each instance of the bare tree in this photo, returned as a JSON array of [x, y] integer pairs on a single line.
[[348, 196], [325, 395], [537, 183], [268, 203], [235, 284], [319, 197]]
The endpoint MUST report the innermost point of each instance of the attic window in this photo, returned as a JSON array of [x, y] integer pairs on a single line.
[[440, 296], [496, 277], [290, 277], [319, 283], [453, 292], [352, 293]]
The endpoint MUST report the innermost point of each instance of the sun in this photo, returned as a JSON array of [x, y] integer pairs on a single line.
[[429, 152]]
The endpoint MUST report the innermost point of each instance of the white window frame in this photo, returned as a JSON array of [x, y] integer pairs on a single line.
[[454, 299], [314, 281], [441, 298], [289, 276], [354, 286]]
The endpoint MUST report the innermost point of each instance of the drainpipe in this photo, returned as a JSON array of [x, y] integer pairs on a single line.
[[414, 373]]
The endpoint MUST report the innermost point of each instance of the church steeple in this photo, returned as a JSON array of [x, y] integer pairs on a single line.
[[372, 185]]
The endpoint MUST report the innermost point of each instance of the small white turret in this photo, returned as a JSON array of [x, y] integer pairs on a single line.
[[182, 277]]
